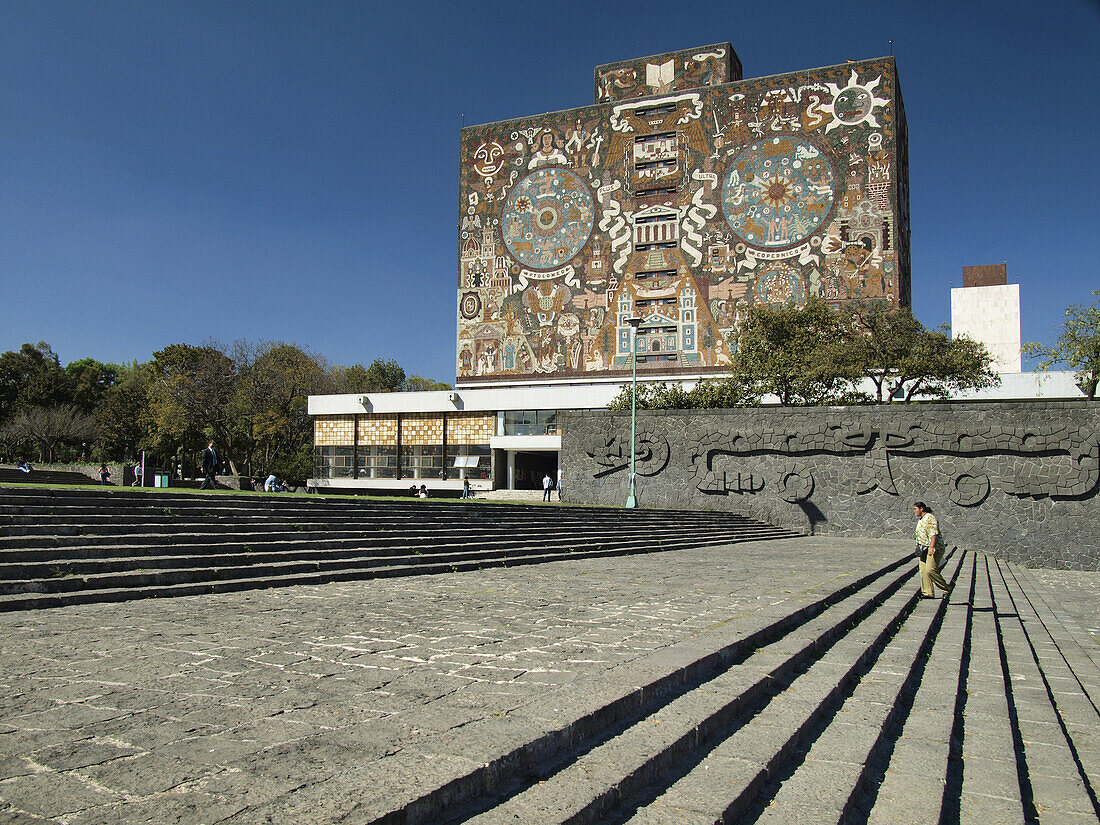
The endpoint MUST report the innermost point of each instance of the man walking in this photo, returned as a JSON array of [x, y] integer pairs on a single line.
[[209, 468], [547, 486]]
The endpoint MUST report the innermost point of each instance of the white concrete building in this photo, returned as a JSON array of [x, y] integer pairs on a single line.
[[987, 309]]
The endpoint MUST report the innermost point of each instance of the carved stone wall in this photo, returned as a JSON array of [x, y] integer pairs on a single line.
[[1019, 480]]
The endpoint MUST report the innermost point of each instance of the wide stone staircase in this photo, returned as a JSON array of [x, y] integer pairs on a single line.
[[11, 475], [62, 546], [865, 705]]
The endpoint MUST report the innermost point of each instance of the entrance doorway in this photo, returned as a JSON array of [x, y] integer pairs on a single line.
[[532, 467]]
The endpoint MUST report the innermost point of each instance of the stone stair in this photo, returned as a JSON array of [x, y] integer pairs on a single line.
[[12, 475], [868, 705], [62, 546]]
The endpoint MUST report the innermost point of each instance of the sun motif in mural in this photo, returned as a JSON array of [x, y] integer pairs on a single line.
[[854, 103], [547, 218], [778, 192]]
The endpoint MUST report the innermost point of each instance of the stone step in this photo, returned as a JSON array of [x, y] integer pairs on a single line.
[[1053, 782], [827, 782], [186, 581], [586, 782], [1060, 630], [163, 543], [991, 767], [745, 771], [53, 532], [913, 784], [237, 548], [212, 580], [91, 501]]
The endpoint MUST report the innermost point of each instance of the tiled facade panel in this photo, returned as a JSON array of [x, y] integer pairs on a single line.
[[683, 206], [687, 69], [470, 428], [334, 430], [378, 429], [422, 428]]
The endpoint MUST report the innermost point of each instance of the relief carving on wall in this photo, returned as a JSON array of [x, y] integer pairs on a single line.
[[612, 454], [1056, 461]]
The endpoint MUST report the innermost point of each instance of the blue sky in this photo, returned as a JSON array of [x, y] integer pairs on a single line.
[[289, 171]]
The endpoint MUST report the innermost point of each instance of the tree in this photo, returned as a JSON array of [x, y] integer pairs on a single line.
[[89, 380], [271, 397], [941, 366], [190, 396], [883, 341], [707, 394], [416, 383], [380, 376], [1078, 346], [904, 360], [791, 352], [385, 376], [123, 414], [50, 428], [32, 377]]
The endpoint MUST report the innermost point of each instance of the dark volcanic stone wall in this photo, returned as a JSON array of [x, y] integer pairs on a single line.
[[1019, 480]]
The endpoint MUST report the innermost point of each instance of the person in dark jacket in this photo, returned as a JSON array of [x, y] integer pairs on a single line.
[[209, 468]]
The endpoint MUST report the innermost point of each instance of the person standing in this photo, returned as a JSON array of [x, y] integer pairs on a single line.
[[930, 551], [465, 488], [547, 486], [104, 474], [209, 467]]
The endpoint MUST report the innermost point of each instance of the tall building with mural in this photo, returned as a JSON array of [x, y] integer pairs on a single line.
[[683, 195]]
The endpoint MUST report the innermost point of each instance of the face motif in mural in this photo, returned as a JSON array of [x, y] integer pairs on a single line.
[[778, 192], [547, 218]]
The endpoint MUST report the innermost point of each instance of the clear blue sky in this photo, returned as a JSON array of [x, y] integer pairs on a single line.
[[288, 171]]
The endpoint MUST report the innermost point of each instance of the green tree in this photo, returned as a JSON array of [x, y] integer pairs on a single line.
[[385, 376], [1078, 346], [32, 377], [792, 352], [904, 360], [708, 394], [88, 382], [416, 383], [190, 396], [380, 376], [271, 398], [123, 415], [941, 366]]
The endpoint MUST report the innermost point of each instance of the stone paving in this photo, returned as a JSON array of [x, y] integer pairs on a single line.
[[226, 708]]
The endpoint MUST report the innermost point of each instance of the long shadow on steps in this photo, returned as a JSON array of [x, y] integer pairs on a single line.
[[530, 764]]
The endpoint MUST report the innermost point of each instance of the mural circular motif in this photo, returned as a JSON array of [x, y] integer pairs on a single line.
[[777, 192], [547, 218], [470, 305], [853, 104]]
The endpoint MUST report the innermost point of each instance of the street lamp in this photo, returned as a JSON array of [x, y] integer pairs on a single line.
[[631, 500]]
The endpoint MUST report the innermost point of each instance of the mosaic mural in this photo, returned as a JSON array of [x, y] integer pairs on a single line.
[[683, 196]]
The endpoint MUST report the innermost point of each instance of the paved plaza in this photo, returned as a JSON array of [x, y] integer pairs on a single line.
[[322, 703]]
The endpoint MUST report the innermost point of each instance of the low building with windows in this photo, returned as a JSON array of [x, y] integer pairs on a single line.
[[497, 438]]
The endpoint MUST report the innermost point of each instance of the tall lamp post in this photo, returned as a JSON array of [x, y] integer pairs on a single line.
[[631, 500]]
